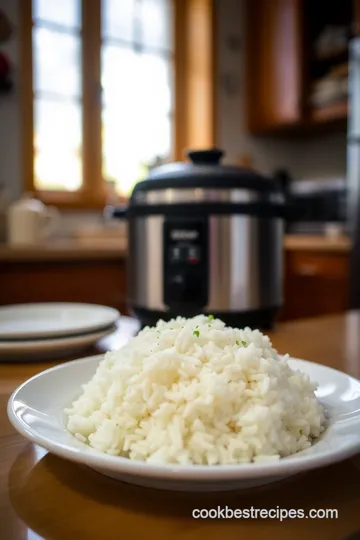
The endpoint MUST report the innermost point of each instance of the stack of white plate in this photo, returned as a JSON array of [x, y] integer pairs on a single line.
[[29, 331]]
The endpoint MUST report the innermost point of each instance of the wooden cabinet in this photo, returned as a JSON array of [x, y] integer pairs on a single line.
[[274, 59], [291, 76], [315, 284], [87, 280]]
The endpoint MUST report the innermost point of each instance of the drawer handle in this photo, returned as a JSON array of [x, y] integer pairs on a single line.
[[307, 270]]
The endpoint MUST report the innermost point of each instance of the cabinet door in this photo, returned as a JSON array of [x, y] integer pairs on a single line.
[[91, 281], [315, 284], [274, 64]]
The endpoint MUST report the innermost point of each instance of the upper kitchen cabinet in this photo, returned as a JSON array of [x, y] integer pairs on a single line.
[[274, 59], [297, 62]]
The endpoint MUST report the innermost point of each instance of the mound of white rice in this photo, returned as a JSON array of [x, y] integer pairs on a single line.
[[194, 391]]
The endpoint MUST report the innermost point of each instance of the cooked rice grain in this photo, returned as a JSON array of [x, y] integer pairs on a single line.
[[194, 391]]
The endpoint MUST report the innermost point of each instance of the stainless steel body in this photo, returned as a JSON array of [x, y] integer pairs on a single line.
[[245, 263], [205, 238], [202, 195]]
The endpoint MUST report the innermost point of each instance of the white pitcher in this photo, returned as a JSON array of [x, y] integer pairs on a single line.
[[30, 222]]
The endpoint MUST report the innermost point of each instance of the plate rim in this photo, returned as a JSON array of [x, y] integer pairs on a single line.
[[112, 316], [167, 472], [21, 348]]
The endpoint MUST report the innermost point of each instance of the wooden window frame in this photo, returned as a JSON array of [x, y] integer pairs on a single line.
[[194, 100]]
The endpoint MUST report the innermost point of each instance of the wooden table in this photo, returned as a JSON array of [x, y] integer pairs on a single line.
[[43, 496]]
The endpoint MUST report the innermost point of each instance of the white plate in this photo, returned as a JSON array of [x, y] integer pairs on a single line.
[[51, 347], [36, 410], [25, 321]]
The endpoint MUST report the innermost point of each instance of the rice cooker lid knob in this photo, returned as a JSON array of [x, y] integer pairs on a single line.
[[204, 170]]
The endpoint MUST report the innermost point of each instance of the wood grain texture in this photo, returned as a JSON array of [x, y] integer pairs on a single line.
[[317, 243], [200, 76], [273, 64], [278, 76], [41, 494], [315, 283], [181, 98], [195, 75], [93, 186], [67, 249], [89, 280]]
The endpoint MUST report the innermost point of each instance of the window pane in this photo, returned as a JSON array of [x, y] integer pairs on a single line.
[[64, 12], [117, 73], [156, 23], [64, 178], [132, 143], [58, 145], [118, 18], [154, 140], [120, 158], [56, 63], [137, 89], [156, 83], [140, 82]]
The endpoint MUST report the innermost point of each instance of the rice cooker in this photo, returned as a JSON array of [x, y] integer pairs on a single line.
[[205, 238]]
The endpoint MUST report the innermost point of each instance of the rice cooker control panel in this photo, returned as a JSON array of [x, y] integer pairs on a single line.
[[185, 264]]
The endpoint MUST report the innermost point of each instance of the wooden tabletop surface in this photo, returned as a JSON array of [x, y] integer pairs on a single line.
[[43, 496]]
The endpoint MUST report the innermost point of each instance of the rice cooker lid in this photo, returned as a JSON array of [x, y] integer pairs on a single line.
[[204, 170]]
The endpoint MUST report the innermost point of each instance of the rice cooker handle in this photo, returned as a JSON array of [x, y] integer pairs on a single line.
[[117, 212], [205, 157]]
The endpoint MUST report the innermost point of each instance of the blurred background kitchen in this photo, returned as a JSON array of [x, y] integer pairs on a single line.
[[95, 94]]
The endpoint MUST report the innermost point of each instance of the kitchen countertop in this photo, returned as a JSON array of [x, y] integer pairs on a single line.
[[317, 243], [41, 494], [71, 249]]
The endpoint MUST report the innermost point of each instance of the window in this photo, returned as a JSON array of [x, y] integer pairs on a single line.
[[57, 89], [110, 89], [136, 78]]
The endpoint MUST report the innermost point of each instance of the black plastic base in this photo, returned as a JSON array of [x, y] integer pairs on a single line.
[[264, 319]]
